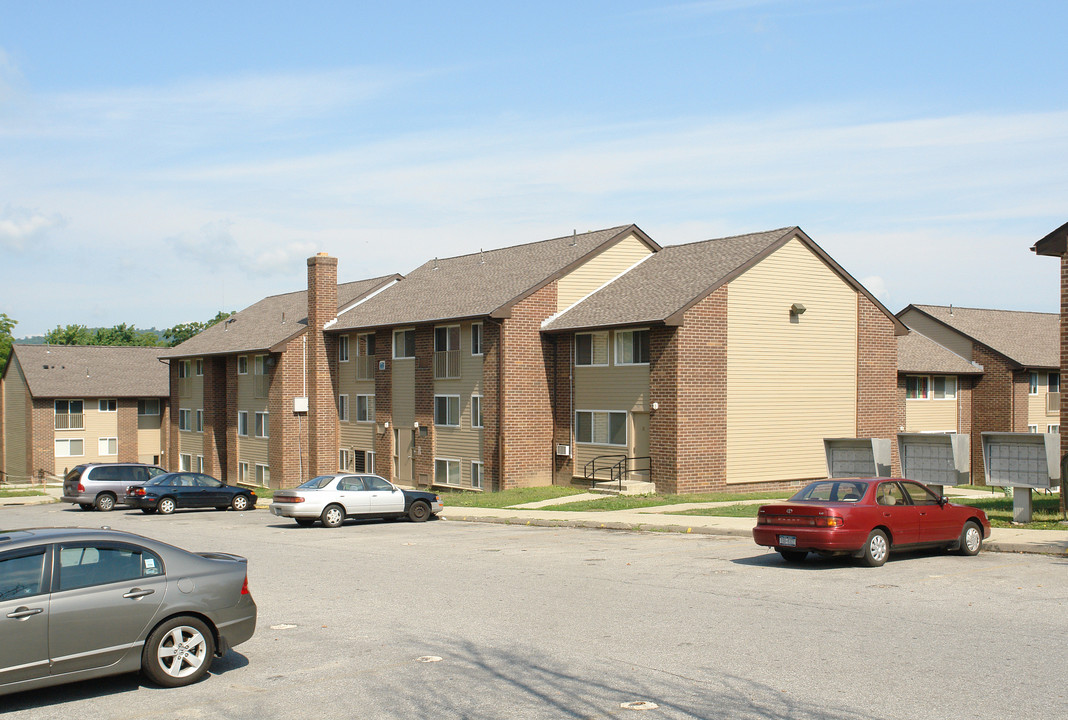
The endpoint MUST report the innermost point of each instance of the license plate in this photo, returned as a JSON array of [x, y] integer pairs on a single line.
[[787, 540]]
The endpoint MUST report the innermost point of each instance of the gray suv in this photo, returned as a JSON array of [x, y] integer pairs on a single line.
[[103, 485]]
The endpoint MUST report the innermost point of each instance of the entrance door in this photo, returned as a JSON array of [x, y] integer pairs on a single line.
[[640, 445], [403, 448]]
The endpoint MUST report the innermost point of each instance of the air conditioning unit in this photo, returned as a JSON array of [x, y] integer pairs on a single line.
[[563, 450]]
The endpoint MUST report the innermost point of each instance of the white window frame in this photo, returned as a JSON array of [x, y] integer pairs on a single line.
[[185, 419], [242, 423], [183, 369], [200, 464], [603, 336], [185, 462], [343, 348], [103, 446], [476, 339], [448, 464], [1032, 428], [107, 405], [146, 402], [478, 474], [343, 407], [394, 350], [263, 424], [344, 460], [448, 410], [1049, 382], [242, 362], [1032, 389], [478, 419], [926, 387], [945, 381], [263, 475], [1053, 428], [67, 444], [608, 426], [368, 461], [198, 420], [619, 344], [365, 408], [68, 414], [199, 367], [242, 471]]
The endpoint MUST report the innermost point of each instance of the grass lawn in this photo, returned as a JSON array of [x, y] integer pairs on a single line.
[[632, 502], [504, 498], [21, 493]]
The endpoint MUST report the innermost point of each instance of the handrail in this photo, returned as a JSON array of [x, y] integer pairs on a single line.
[[617, 470]]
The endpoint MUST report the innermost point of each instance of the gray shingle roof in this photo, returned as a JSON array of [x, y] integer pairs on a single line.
[[669, 281], [918, 353], [479, 284], [268, 322], [96, 371], [1028, 338]]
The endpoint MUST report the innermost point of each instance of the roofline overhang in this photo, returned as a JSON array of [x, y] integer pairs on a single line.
[[607, 326], [1054, 245], [1013, 364]]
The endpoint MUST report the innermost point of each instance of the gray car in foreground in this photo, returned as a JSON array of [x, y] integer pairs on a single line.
[[78, 604]]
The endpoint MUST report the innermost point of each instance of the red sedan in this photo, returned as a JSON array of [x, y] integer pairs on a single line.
[[867, 518]]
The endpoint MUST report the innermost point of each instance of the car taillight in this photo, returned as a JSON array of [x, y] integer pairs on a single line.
[[244, 586], [285, 499], [81, 488], [139, 491], [832, 521]]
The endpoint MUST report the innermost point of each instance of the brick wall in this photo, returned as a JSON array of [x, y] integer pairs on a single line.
[[322, 366], [993, 398], [170, 427], [41, 444], [491, 404], [879, 413], [287, 448], [663, 390], [215, 418], [563, 407], [126, 431], [384, 403], [229, 471], [1064, 372]]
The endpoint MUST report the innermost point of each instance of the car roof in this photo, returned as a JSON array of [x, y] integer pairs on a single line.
[[32, 536]]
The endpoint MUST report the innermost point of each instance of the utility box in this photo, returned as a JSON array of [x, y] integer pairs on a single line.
[[857, 457], [1024, 462], [937, 459]]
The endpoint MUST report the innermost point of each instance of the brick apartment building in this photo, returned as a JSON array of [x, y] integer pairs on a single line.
[[971, 371], [724, 362], [63, 405]]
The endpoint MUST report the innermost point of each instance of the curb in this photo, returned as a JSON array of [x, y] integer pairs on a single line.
[[28, 500]]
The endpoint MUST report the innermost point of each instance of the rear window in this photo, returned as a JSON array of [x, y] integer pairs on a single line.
[[317, 482], [832, 491], [75, 473]]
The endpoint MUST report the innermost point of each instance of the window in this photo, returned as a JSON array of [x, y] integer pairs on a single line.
[[344, 460], [185, 419], [404, 343], [476, 411], [22, 574], [84, 566], [632, 347], [242, 364], [200, 421], [1054, 429], [369, 462], [107, 446], [183, 369], [365, 356], [242, 471], [263, 475], [916, 387], [1033, 389], [69, 415], [476, 338], [343, 408], [1032, 428], [185, 462], [200, 463], [447, 410], [945, 387], [108, 405], [919, 494], [447, 351], [343, 348], [1054, 382], [476, 474], [262, 426], [365, 408], [591, 348], [148, 406], [200, 367], [260, 381], [446, 472], [70, 447], [242, 423], [601, 427]]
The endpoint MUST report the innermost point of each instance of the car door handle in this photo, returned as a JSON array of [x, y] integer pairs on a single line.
[[138, 593], [24, 612]]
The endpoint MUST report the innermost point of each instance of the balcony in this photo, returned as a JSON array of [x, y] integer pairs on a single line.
[[446, 364], [260, 384], [1053, 403], [185, 387], [70, 421], [365, 367]]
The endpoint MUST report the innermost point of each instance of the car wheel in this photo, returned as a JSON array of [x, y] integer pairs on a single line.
[[876, 549], [305, 522], [178, 652], [105, 502], [793, 556], [971, 539], [148, 511], [85, 506], [240, 502], [333, 516], [166, 506], [419, 511]]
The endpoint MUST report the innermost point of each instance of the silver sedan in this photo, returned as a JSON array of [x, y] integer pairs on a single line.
[[78, 604], [332, 498]]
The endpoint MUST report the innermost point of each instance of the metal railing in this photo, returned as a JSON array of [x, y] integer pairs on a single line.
[[1053, 403], [70, 421], [446, 364], [365, 367], [618, 468]]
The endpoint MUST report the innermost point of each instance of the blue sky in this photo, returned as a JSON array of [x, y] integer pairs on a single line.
[[160, 162]]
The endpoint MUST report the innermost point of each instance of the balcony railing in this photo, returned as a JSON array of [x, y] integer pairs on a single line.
[[260, 384], [365, 367], [446, 364], [1053, 403], [70, 421]]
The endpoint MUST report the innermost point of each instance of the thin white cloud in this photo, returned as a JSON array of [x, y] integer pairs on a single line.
[[21, 226]]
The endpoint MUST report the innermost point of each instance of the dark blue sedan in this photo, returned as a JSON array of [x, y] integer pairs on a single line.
[[166, 493]]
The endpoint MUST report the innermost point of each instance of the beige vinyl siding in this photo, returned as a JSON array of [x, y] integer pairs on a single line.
[[96, 425], [192, 442], [403, 391], [583, 280], [253, 450], [464, 443], [930, 415], [16, 401], [789, 385], [938, 332], [148, 435], [250, 448], [1036, 405], [357, 437]]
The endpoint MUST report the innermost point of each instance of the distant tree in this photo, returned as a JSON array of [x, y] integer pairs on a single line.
[[180, 333], [69, 335], [124, 335], [6, 324]]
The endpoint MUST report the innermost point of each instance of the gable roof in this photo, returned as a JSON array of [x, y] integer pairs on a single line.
[[662, 288], [917, 353], [270, 321], [482, 284], [92, 371], [1029, 339], [1053, 244]]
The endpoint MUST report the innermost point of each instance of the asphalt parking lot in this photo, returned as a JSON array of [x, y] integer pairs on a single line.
[[470, 620]]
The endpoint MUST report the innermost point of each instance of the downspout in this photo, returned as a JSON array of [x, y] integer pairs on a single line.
[[304, 393]]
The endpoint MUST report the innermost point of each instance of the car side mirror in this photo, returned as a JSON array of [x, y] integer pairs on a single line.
[[943, 500]]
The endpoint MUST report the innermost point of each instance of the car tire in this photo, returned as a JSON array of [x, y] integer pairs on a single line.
[[793, 556], [876, 549], [419, 511], [178, 652], [971, 539], [305, 522], [85, 506], [166, 506], [148, 511], [240, 503], [333, 516], [105, 502]]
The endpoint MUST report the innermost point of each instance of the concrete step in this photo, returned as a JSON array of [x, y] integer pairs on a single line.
[[630, 487]]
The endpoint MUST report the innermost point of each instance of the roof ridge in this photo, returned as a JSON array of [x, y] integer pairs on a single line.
[[528, 244], [783, 230], [996, 310]]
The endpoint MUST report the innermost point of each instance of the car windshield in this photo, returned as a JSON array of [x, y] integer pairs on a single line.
[[316, 482], [832, 491]]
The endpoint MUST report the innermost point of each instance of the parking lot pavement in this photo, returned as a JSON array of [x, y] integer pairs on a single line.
[[472, 620]]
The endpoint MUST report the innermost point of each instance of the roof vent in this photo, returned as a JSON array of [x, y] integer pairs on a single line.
[[574, 238], [435, 263], [481, 257]]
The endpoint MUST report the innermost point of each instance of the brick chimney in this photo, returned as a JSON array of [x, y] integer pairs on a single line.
[[322, 366]]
